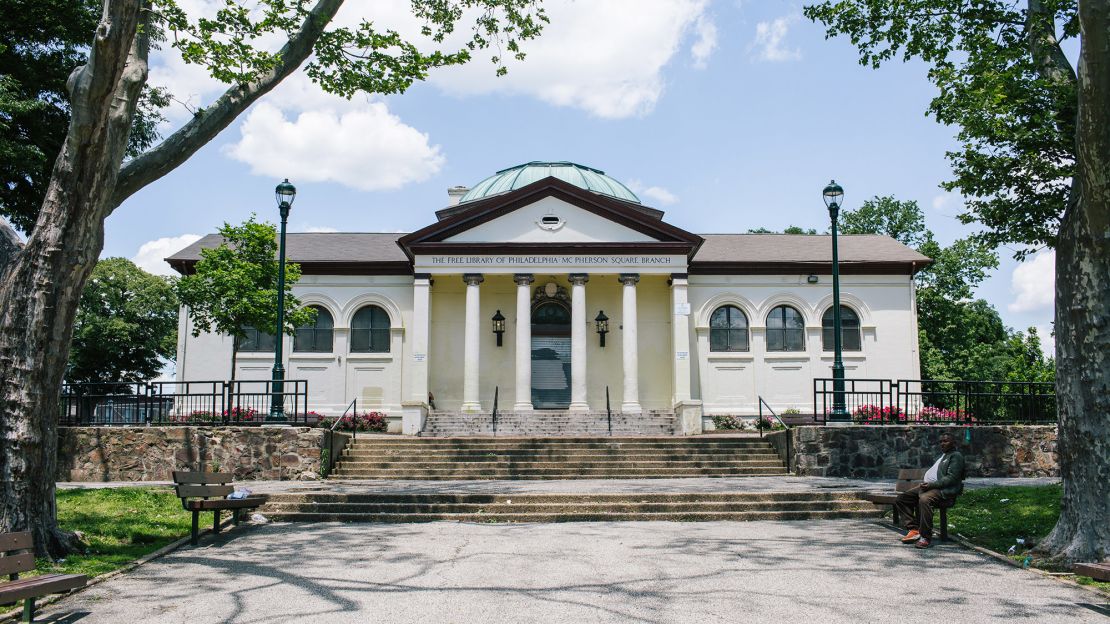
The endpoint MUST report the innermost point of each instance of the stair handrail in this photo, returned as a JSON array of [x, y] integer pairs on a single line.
[[353, 409], [785, 427], [608, 412], [494, 416]]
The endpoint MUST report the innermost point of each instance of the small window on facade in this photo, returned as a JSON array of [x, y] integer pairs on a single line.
[[728, 329], [786, 330], [316, 337], [370, 331], [849, 330], [254, 341]]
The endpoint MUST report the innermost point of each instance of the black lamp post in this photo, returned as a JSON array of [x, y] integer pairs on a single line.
[[499, 326], [602, 322], [285, 192], [833, 195]]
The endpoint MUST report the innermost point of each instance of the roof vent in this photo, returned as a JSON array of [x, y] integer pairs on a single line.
[[456, 193]]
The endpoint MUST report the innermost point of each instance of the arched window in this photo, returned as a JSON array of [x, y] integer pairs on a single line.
[[728, 329], [255, 341], [849, 330], [316, 337], [786, 330], [370, 330]]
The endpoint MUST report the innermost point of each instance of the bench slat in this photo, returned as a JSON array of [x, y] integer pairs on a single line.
[[223, 503], [206, 491], [185, 477], [13, 564], [36, 586], [1097, 571], [16, 541]]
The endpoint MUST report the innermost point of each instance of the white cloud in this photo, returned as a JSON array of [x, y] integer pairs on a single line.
[[1034, 284], [364, 147], [1048, 341], [657, 194], [151, 255], [706, 42], [769, 41], [606, 58]]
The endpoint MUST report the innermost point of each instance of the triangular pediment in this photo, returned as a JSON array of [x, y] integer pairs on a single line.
[[550, 213]]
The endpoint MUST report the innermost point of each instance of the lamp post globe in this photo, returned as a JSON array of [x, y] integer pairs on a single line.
[[285, 193], [833, 194]]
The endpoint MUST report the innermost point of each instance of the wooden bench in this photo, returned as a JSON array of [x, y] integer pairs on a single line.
[[908, 478], [17, 555], [1097, 571], [206, 491]]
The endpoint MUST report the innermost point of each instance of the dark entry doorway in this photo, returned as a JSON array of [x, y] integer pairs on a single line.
[[551, 356]]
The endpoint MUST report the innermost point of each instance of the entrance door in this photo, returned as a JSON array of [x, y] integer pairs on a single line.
[[551, 356]]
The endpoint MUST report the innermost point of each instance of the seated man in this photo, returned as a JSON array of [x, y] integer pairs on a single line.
[[942, 484]]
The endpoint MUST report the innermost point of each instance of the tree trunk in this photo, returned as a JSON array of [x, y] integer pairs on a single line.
[[40, 289], [1083, 313]]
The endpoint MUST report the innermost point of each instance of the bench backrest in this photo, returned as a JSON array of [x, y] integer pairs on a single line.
[[202, 484], [909, 478], [16, 553]]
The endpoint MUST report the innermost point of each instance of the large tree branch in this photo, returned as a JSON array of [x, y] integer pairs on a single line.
[[1051, 62], [204, 126]]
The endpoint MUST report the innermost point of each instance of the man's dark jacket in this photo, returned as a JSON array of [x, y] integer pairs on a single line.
[[950, 474]]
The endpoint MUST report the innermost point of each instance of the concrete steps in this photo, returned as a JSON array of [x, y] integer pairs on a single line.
[[541, 423], [685, 507], [556, 458]]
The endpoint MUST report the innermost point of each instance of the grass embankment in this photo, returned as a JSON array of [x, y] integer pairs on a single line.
[[995, 518]]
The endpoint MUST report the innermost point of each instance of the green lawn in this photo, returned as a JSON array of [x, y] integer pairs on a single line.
[[995, 518], [119, 524]]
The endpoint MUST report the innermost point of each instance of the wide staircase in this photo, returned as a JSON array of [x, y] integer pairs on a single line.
[[582, 507], [556, 458], [544, 423]]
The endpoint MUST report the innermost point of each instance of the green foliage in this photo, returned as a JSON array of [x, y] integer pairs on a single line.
[[960, 337], [126, 325], [727, 423], [1003, 81], [41, 42], [234, 286], [792, 229], [996, 517]]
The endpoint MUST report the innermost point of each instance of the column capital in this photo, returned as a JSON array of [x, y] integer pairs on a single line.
[[421, 276], [473, 279], [523, 279], [578, 278], [680, 276], [629, 279]]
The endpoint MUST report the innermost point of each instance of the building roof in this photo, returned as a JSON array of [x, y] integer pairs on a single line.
[[377, 252], [522, 175], [744, 248]]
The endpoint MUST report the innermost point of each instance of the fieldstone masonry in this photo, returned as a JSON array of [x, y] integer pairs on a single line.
[[153, 453], [864, 452]]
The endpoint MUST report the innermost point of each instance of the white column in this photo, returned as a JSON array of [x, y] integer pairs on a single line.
[[578, 342], [630, 402], [471, 342], [414, 405], [680, 341], [523, 401]]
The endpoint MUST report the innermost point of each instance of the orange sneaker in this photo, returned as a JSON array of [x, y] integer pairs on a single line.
[[911, 537]]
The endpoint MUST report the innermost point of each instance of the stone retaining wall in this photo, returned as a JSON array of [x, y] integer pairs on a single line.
[[871, 452], [153, 453]]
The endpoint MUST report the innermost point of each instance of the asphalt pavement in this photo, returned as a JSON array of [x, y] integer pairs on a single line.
[[652, 572]]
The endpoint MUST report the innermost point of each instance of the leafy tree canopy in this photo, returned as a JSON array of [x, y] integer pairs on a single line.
[[41, 42], [792, 229], [234, 286], [1003, 81], [126, 326]]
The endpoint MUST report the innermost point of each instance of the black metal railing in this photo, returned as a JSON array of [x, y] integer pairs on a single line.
[[883, 401], [493, 416], [237, 402], [764, 405], [608, 412], [352, 409]]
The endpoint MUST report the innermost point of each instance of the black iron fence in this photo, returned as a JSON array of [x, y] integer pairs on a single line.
[[236, 402], [883, 401]]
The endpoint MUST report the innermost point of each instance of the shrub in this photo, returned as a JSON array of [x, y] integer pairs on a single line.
[[873, 414], [939, 414], [727, 422], [366, 421]]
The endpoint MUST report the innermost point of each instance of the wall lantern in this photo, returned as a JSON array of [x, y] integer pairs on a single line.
[[602, 322], [499, 326], [812, 279]]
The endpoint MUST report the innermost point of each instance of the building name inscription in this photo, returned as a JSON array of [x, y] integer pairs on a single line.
[[551, 260]]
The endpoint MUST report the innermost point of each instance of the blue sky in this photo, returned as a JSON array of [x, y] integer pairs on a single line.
[[726, 115]]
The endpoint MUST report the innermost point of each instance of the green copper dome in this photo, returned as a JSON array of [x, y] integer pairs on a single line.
[[522, 175]]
